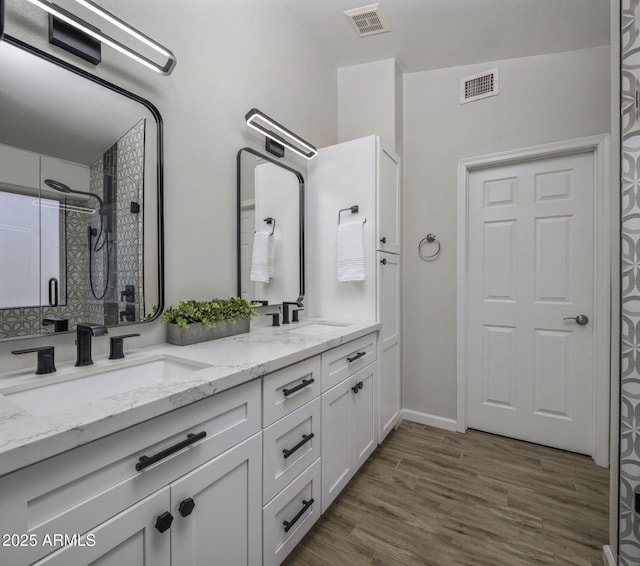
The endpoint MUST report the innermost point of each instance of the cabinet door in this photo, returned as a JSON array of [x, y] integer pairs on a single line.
[[225, 526], [389, 315], [388, 201], [128, 538], [363, 416], [336, 443]]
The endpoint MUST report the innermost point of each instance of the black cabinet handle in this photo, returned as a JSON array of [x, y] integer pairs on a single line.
[[356, 357], [146, 461], [305, 438], [163, 521], [289, 524], [303, 384], [186, 507], [53, 292], [383, 239], [383, 261], [357, 387]]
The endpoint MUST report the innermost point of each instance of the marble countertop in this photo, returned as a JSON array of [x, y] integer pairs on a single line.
[[26, 438]]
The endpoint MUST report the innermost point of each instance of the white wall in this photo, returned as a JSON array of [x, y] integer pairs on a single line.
[[232, 56], [542, 99], [370, 102]]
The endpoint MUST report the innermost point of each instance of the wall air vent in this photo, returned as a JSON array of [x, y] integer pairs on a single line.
[[367, 20], [481, 85]]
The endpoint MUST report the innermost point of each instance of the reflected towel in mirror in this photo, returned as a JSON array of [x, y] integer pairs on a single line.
[[263, 257], [351, 252]]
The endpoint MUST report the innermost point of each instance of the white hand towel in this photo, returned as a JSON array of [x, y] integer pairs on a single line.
[[263, 257], [351, 252]]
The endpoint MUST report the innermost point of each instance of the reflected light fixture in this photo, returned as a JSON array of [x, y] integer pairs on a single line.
[[84, 27], [277, 132]]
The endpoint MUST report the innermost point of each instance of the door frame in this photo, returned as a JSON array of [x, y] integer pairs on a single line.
[[599, 146]]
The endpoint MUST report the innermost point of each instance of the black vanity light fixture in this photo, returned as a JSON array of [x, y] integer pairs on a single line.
[[278, 133], [75, 22], [1, 18]]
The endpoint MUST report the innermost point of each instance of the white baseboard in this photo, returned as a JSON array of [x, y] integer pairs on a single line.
[[607, 556], [431, 420]]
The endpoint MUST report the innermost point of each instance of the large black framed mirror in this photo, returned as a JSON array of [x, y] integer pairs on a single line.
[[270, 229], [81, 192]]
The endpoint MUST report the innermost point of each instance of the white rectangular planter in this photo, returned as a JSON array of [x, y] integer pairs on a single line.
[[200, 332]]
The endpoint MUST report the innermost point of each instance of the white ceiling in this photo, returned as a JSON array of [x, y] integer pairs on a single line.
[[432, 34], [48, 110]]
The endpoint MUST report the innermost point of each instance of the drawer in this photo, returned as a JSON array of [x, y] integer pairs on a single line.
[[287, 389], [343, 361], [290, 515], [79, 489], [290, 445]]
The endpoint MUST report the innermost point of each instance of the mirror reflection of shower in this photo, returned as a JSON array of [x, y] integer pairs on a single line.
[[101, 236]]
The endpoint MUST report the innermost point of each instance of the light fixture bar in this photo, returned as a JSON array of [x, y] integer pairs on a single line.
[[77, 23], [262, 123]]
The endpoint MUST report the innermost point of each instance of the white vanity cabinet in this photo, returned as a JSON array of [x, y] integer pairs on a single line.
[[363, 172], [95, 489], [291, 457], [349, 431], [237, 478]]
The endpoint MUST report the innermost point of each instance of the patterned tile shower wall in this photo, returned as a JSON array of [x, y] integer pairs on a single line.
[[124, 164], [130, 164], [122, 169], [629, 526]]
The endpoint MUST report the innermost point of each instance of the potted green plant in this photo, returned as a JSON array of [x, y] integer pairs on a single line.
[[198, 321]]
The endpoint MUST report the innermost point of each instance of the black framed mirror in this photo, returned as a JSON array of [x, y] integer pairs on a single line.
[[81, 193], [270, 229]]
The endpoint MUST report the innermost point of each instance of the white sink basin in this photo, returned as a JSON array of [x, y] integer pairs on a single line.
[[319, 328], [81, 387]]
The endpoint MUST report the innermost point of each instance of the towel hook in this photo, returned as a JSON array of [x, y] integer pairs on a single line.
[[270, 220], [429, 238], [354, 210]]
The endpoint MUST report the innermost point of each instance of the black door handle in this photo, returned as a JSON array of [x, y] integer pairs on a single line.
[[383, 240], [53, 292], [186, 507], [305, 438], [163, 521], [383, 261], [302, 385], [289, 524], [146, 461]]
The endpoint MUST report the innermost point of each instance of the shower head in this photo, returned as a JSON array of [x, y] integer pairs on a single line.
[[58, 186]]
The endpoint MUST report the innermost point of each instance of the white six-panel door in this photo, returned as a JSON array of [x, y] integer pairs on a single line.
[[530, 268]]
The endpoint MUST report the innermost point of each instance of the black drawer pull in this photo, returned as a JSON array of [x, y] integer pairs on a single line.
[[305, 438], [146, 461], [305, 382], [289, 524], [356, 357]]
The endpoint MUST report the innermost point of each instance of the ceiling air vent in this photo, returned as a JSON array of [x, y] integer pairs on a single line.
[[367, 20], [481, 85]]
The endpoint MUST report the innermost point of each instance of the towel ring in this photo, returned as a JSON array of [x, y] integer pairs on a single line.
[[429, 238]]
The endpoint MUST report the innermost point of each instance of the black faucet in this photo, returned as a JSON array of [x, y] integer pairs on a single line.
[[46, 362], [285, 311], [83, 342], [59, 324]]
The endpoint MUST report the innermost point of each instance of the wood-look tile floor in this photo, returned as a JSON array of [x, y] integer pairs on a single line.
[[428, 496]]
